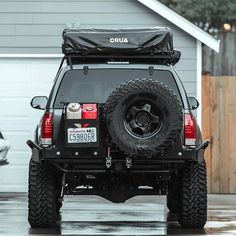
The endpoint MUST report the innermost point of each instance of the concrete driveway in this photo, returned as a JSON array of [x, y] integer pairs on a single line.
[[90, 215]]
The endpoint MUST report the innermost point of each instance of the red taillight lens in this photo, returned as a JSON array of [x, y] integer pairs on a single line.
[[190, 130], [46, 129]]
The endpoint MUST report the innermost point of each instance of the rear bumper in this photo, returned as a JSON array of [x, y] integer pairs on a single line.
[[98, 164]]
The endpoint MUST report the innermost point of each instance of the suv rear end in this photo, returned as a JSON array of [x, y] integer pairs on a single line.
[[117, 127]]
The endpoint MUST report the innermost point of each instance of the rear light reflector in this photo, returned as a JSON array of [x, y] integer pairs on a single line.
[[46, 129], [190, 130]]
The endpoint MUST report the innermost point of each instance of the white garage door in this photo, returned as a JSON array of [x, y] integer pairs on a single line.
[[20, 80]]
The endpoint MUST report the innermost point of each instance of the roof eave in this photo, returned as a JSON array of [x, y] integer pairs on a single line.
[[182, 23]]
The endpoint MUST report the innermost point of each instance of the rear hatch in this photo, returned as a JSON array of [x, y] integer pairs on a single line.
[[94, 83]]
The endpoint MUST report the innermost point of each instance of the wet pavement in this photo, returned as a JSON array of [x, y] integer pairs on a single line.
[[91, 215]]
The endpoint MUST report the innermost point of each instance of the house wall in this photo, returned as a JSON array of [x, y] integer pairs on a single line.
[[34, 27]]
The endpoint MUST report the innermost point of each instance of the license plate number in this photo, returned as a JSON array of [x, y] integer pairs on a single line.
[[82, 135]]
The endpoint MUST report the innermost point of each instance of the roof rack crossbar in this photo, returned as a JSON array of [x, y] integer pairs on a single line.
[[163, 58]]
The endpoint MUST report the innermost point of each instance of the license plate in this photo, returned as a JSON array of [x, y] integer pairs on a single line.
[[82, 135]]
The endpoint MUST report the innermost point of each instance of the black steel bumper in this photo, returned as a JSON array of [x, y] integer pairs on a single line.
[[98, 164]]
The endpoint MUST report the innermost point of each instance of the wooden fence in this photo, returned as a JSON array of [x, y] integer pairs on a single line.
[[222, 63], [219, 125]]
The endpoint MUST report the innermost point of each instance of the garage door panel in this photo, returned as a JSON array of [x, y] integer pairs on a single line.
[[19, 172], [8, 90], [18, 139], [19, 157], [21, 79], [14, 107], [13, 90], [10, 75], [19, 123], [14, 178]]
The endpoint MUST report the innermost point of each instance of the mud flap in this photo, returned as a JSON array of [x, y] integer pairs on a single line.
[[35, 155], [36, 150], [200, 158], [201, 150]]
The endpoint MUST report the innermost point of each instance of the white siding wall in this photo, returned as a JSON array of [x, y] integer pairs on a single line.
[[35, 27]]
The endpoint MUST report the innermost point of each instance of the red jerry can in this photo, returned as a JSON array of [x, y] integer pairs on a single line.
[[90, 112]]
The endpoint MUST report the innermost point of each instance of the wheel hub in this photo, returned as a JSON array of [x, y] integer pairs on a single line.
[[143, 119]]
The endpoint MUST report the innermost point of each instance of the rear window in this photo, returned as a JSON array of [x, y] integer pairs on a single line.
[[96, 86]]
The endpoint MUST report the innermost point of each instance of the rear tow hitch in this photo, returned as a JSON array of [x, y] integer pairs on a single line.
[[128, 162], [63, 184], [108, 158]]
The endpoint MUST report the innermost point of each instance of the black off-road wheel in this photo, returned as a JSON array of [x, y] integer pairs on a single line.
[[144, 117], [58, 195], [59, 206], [42, 195], [173, 196], [193, 211]]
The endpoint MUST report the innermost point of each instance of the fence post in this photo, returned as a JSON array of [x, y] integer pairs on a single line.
[[206, 122]]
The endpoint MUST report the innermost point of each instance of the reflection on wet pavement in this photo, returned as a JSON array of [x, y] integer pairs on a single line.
[[91, 215]]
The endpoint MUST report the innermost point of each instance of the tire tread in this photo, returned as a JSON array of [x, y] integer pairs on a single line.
[[41, 195], [194, 196], [153, 87]]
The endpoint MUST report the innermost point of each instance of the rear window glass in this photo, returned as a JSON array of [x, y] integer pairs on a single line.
[[97, 85]]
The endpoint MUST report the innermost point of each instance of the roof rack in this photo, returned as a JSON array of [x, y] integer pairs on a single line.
[[164, 58]]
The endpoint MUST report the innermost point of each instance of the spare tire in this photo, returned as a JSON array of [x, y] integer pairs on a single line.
[[143, 116]]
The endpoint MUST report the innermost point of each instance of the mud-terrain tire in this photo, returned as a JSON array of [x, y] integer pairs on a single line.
[[59, 206], [42, 199], [143, 117], [193, 211], [173, 197], [58, 195]]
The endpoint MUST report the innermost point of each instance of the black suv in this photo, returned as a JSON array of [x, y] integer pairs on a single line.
[[117, 124]]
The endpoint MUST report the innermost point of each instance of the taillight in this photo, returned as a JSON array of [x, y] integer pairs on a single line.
[[190, 130], [46, 129]]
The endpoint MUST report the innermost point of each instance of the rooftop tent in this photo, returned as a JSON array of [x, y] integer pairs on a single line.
[[151, 42]]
